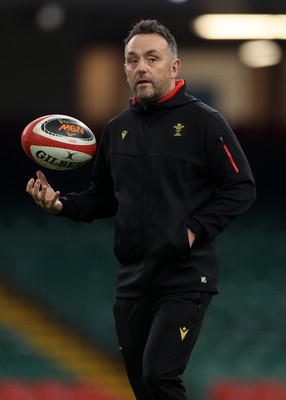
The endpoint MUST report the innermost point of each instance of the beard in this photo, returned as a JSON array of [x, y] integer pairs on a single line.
[[146, 97], [151, 94], [146, 94]]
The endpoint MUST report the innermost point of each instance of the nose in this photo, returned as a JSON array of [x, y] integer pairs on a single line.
[[141, 65]]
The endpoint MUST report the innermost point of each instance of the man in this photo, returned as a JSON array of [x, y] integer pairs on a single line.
[[173, 173]]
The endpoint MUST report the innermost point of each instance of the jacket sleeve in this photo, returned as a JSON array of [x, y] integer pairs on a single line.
[[228, 167], [98, 201]]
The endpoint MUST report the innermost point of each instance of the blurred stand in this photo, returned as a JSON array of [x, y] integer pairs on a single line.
[[70, 61]]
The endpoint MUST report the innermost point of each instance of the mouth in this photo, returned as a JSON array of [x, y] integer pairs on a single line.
[[142, 82]]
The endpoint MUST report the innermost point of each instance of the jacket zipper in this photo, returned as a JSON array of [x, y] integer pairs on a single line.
[[145, 200], [224, 146]]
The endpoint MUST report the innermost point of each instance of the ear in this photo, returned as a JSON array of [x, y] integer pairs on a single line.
[[176, 67], [125, 70]]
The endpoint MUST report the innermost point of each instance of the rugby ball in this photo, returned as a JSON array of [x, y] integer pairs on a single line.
[[58, 142]]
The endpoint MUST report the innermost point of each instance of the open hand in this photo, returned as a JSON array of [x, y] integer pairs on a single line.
[[44, 195]]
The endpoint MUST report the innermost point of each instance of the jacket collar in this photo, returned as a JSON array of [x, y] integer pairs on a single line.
[[178, 84], [177, 97]]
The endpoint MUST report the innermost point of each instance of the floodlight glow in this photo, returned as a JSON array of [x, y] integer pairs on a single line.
[[240, 26], [260, 53], [50, 17], [178, 1]]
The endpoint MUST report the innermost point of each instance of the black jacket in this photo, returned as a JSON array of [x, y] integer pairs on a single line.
[[160, 170]]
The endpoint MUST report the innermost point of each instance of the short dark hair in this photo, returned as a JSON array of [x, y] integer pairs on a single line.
[[152, 26]]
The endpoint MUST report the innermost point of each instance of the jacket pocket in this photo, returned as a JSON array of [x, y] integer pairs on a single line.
[[184, 241]]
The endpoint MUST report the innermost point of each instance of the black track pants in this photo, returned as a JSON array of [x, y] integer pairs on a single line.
[[156, 337]]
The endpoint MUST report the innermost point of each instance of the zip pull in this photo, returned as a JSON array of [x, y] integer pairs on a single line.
[[224, 146]]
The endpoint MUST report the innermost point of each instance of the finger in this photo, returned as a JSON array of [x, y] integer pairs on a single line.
[[30, 186], [43, 193], [42, 178], [36, 190], [55, 197]]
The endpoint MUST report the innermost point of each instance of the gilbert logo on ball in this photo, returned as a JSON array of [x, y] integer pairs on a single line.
[[58, 142]]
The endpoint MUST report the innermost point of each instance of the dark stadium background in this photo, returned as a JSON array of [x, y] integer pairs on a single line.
[[54, 273]]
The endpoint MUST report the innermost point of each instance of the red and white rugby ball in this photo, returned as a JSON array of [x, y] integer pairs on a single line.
[[58, 142]]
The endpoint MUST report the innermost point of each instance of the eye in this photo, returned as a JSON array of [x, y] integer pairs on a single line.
[[151, 60], [132, 61]]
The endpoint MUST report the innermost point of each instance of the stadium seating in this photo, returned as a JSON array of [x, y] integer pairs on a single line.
[[51, 390], [69, 269], [239, 390]]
